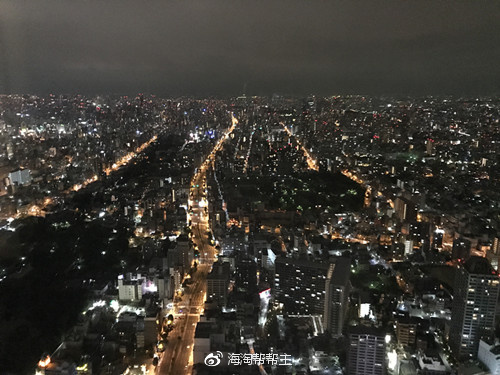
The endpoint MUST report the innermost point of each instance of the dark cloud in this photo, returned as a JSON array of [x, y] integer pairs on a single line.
[[214, 47]]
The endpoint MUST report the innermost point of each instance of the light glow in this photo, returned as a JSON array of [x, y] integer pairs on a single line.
[[44, 362]]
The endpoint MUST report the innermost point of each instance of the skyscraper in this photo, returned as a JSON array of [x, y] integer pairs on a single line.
[[474, 306], [315, 288], [300, 285], [218, 283], [246, 274], [337, 290], [366, 351], [182, 255]]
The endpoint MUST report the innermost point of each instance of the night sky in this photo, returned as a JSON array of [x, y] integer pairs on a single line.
[[212, 47]]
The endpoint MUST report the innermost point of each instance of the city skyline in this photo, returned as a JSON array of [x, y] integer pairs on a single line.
[[249, 187], [340, 235]]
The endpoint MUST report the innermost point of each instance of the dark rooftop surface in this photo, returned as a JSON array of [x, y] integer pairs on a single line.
[[366, 330], [203, 330], [479, 266], [342, 271], [303, 262]]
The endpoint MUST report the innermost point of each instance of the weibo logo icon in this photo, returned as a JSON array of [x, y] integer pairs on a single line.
[[213, 359]]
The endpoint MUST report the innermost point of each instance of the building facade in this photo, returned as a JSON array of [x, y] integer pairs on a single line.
[[489, 355], [337, 292], [367, 351], [300, 285], [218, 283], [474, 306]]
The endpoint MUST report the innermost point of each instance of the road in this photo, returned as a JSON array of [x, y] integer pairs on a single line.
[[178, 356]]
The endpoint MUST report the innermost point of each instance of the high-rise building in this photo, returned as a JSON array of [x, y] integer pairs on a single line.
[[300, 285], [461, 248], [421, 233], [408, 247], [246, 274], [366, 354], [130, 288], [186, 253], [488, 355], [429, 146], [182, 255], [314, 288], [494, 259], [495, 246], [437, 239], [337, 289], [218, 283], [406, 330], [474, 306], [405, 209]]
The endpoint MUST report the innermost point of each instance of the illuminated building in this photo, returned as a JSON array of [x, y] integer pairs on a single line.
[[494, 254], [184, 254], [313, 288], [429, 147], [432, 365], [489, 355], [337, 289], [268, 259], [218, 283], [406, 331], [129, 289], [50, 366], [421, 233], [164, 284], [474, 306], [461, 248], [365, 310], [494, 259], [180, 258], [495, 246], [20, 177], [408, 247], [366, 352], [405, 209], [437, 239], [246, 274], [300, 285]]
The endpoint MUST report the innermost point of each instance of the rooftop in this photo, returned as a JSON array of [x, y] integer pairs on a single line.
[[303, 262], [366, 330], [341, 272], [203, 330], [479, 266]]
